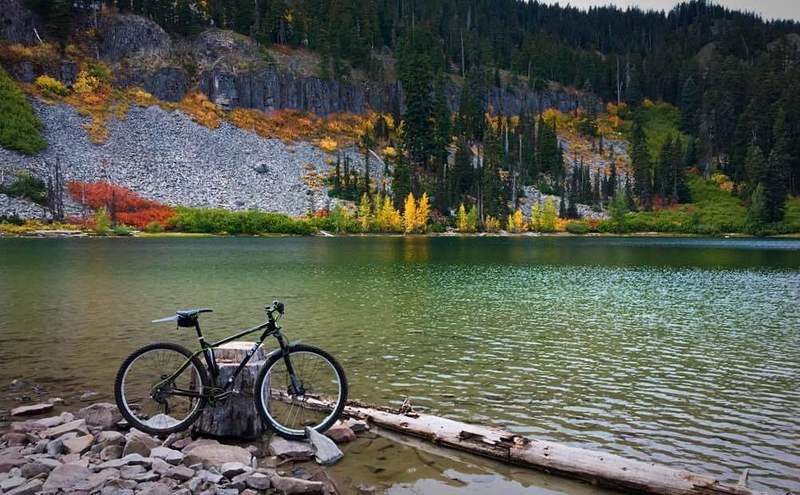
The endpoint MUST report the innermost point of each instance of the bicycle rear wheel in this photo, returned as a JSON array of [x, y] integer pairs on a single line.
[[320, 401], [153, 396]]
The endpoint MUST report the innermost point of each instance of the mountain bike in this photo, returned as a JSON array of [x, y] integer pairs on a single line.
[[163, 387]]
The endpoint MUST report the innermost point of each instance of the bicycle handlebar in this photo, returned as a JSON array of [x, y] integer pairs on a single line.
[[275, 307]]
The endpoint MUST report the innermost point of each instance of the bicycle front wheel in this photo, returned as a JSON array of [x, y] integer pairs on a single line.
[[315, 400], [159, 388]]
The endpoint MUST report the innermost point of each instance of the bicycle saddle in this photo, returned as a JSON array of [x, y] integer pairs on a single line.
[[186, 316]]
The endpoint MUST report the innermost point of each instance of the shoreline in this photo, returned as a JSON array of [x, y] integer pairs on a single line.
[[80, 234]]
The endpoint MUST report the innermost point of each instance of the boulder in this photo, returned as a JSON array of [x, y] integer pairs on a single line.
[[110, 438], [9, 484], [156, 489], [138, 442], [55, 447], [325, 450], [79, 445], [258, 481], [15, 439], [231, 469], [29, 488], [111, 452], [291, 486], [101, 415], [128, 460], [181, 473], [169, 455], [290, 449], [32, 409], [127, 36], [44, 423], [340, 433], [39, 466], [211, 453], [9, 460], [66, 477], [78, 426]]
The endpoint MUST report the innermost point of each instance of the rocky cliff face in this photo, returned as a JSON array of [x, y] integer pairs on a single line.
[[167, 157]]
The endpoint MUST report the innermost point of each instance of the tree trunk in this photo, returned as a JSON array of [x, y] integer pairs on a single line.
[[236, 417], [608, 470]]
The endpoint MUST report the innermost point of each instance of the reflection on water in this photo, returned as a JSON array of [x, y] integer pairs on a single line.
[[680, 351]]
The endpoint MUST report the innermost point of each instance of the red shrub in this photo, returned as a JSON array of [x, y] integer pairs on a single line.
[[124, 206]]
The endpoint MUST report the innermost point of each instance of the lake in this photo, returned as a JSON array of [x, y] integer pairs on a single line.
[[681, 351]]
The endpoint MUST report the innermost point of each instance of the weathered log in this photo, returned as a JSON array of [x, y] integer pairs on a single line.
[[608, 470], [237, 416]]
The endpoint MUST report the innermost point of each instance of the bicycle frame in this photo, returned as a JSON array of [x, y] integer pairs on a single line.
[[206, 349]]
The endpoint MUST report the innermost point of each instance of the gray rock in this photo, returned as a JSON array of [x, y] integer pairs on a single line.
[[17, 22], [156, 489], [111, 452], [325, 450], [128, 36], [31, 487], [231, 469], [87, 396], [11, 483], [181, 473], [52, 421], [211, 453], [290, 449], [79, 445], [77, 426], [10, 459], [66, 477], [55, 447], [138, 442], [128, 460], [208, 476], [101, 415], [110, 438], [32, 409], [111, 490], [39, 466], [169, 455], [295, 485], [258, 481]]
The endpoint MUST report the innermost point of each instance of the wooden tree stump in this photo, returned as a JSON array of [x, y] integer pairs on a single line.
[[237, 417]]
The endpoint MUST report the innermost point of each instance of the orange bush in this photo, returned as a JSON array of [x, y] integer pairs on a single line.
[[125, 206]]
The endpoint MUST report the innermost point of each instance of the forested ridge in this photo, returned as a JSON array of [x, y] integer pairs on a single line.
[[734, 77]]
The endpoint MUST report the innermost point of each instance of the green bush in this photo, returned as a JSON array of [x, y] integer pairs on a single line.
[[27, 186], [154, 228], [791, 217], [218, 221], [579, 228], [122, 230], [20, 128], [102, 222]]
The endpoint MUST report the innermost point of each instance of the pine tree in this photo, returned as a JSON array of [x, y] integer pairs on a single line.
[[442, 134], [689, 105], [471, 122], [414, 70], [757, 213], [401, 181], [640, 161], [755, 165]]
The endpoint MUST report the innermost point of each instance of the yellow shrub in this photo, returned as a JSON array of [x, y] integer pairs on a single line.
[[648, 103], [97, 130], [390, 151], [327, 144], [85, 83], [201, 110], [50, 86], [141, 97], [491, 224]]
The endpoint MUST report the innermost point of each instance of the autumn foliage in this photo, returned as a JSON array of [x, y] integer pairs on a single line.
[[124, 206]]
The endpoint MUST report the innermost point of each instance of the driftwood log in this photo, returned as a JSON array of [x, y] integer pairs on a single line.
[[607, 470], [237, 416]]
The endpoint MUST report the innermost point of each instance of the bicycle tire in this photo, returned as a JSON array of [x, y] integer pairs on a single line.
[[122, 403], [278, 358]]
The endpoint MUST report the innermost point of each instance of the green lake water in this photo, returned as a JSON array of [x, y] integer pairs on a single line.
[[680, 351]]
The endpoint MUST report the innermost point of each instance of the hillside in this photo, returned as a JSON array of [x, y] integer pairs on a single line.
[[175, 102]]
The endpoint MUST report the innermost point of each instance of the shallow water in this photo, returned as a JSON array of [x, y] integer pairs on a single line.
[[680, 351]]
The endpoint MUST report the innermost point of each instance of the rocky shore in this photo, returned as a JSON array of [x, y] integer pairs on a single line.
[[91, 451]]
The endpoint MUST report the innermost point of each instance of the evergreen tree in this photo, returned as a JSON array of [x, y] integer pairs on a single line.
[[442, 136], [401, 181], [414, 70], [757, 212], [640, 161], [471, 121], [689, 105]]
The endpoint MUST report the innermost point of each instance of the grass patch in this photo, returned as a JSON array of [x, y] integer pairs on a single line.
[[20, 128]]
